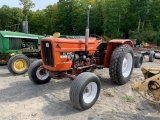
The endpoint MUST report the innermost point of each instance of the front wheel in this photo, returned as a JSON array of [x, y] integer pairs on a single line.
[[38, 74], [121, 64], [85, 90]]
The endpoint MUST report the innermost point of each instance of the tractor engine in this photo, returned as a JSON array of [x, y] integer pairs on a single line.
[[82, 63]]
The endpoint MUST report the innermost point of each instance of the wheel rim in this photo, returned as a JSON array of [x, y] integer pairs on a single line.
[[127, 65], [20, 65], [90, 92], [41, 73]]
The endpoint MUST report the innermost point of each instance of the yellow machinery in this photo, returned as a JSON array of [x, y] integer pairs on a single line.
[[150, 87]]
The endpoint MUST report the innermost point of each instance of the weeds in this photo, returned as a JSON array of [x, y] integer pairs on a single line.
[[130, 99]]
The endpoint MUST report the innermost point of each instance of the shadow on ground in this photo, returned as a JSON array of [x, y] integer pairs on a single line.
[[122, 116], [4, 67], [23, 90], [59, 108], [5, 74], [149, 106]]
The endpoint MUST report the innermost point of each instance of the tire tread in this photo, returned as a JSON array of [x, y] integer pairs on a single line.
[[76, 86], [115, 61]]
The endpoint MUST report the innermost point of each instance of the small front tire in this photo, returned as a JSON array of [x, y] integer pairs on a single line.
[[38, 74], [85, 90]]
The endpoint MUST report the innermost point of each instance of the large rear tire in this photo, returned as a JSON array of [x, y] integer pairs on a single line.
[[38, 74], [121, 64], [18, 64], [85, 90]]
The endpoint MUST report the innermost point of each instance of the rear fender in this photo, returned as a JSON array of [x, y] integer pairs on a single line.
[[112, 44]]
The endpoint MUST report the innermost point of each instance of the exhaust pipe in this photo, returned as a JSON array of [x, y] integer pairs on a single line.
[[25, 25], [87, 28]]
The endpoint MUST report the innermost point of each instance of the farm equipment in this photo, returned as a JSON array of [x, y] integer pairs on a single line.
[[77, 58], [15, 47], [140, 51], [150, 87], [144, 52]]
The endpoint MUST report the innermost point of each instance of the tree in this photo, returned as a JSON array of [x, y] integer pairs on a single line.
[[9, 17], [64, 16], [37, 22], [5, 15], [114, 13], [154, 16], [51, 12], [27, 5], [140, 9]]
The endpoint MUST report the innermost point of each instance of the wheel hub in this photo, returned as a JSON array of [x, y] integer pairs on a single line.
[[90, 92], [20, 65], [41, 73], [127, 65], [86, 90]]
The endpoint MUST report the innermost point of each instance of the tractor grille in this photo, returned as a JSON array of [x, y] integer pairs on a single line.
[[48, 54], [15, 43]]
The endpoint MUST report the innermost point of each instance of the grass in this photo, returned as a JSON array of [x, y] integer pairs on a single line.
[[130, 99]]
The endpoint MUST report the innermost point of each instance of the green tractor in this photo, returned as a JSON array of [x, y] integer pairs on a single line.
[[16, 47]]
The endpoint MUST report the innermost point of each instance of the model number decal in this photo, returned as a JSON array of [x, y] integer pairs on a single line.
[[64, 54]]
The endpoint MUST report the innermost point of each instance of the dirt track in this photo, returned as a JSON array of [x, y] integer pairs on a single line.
[[20, 99]]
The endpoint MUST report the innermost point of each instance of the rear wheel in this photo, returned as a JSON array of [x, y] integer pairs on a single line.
[[138, 61], [38, 74], [121, 64], [151, 56], [18, 64], [85, 90]]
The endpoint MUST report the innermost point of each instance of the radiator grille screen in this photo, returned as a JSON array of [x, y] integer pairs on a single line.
[[15, 43], [48, 54]]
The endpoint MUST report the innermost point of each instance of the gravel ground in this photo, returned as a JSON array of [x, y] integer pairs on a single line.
[[20, 99]]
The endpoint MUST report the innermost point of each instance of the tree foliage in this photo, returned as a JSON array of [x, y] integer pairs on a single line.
[[27, 5], [136, 19]]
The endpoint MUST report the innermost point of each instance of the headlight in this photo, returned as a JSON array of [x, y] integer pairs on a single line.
[[12, 54]]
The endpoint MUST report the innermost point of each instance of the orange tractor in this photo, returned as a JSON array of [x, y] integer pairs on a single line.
[[77, 58]]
